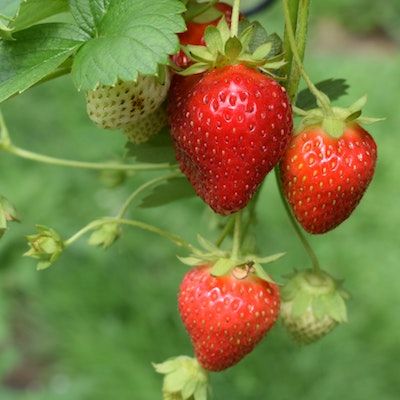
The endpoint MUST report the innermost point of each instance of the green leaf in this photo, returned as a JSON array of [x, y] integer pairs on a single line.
[[333, 88], [132, 37], [158, 149], [88, 13], [30, 12], [36, 52], [172, 190]]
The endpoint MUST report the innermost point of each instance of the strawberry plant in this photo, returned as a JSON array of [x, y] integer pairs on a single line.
[[209, 101]]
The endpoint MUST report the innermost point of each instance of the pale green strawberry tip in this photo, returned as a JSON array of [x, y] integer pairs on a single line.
[[313, 303], [184, 379]]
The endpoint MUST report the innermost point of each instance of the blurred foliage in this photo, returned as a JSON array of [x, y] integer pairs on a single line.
[[364, 16], [89, 327]]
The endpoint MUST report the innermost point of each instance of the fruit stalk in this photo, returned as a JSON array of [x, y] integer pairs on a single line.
[[296, 14], [237, 236], [235, 18], [322, 98], [301, 31], [129, 222], [296, 227]]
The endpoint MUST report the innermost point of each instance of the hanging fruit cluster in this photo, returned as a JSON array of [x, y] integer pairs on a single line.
[[226, 104]]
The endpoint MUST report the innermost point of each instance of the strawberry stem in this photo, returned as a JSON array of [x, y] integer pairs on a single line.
[[235, 18], [322, 99], [309, 250], [226, 231], [237, 236], [7, 146], [137, 224], [301, 31]]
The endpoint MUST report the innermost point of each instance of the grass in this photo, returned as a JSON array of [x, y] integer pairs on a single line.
[[89, 327]]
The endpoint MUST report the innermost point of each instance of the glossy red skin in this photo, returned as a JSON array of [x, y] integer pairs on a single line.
[[194, 34], [324, 178], [230, 127], [224, 316]]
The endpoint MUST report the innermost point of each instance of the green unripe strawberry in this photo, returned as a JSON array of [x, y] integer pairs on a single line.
[[312, 305], [147, 127], [125, 103]]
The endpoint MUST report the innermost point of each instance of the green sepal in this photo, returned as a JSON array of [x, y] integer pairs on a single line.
[[105, 236], [301, 302], [337, 308], [260, 272], [7, 214], [184, 379], [317, 292], [191, 261], [252, 47], [262, 51], [223, 266], [46, 246], [338, 118], [233, 48], [213, 39], [207, 245]]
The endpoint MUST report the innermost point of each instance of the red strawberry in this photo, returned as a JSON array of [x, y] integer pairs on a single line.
[[226, 317], [230, 127], [324, 177], [194, 34]]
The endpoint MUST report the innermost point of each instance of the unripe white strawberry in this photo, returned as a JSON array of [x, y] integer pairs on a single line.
[[312, 304], [148, 126], [125, 103]]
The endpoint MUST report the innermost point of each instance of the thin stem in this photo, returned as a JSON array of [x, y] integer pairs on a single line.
[[301, 41], [138, 224], [252, 214], [141, 189], [235, 18], [226, 231], [4, 134], [237, 236], [29, 155], [293, 11], [89, 227], [323, 100], [299, 232]]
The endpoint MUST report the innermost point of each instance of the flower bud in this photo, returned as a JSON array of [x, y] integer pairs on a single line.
[[106, 235], [46, 246]]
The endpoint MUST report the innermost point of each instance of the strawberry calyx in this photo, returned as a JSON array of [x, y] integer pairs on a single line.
[[223, 263], [184, 379], [315, 292], [223, 48], [334, 119]]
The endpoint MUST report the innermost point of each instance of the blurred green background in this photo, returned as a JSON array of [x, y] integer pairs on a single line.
[[89, 327]]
